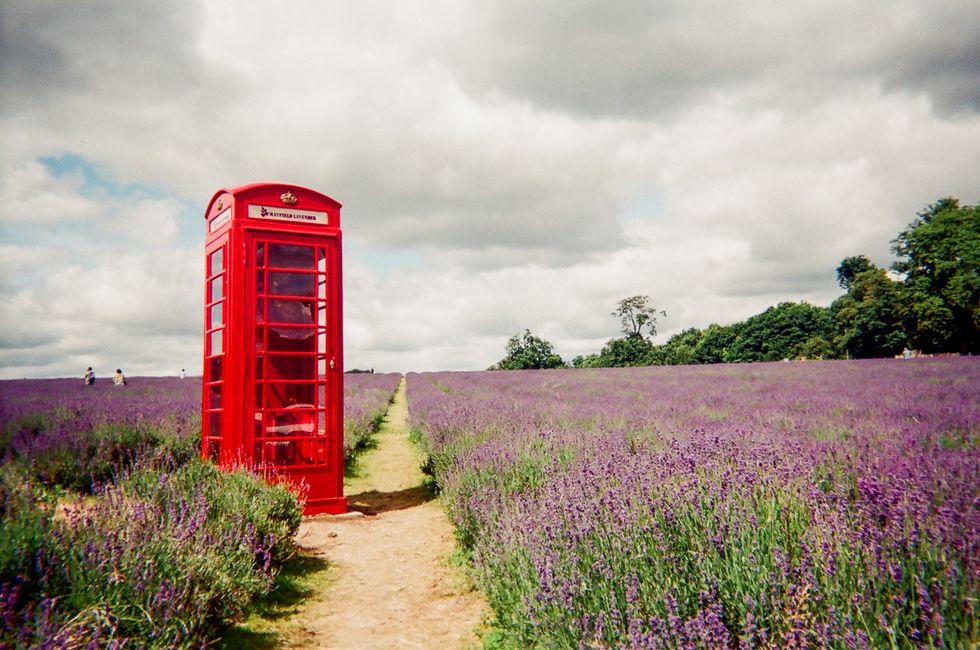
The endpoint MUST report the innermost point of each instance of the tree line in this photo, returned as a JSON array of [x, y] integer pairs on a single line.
[[928, 301]]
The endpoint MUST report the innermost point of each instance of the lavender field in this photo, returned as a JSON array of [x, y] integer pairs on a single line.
[[79, 436], [366, 400], [813, 504], [94, 428], [113, 533]]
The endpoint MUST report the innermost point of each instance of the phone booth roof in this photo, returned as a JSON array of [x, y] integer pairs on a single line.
[[277, 194]]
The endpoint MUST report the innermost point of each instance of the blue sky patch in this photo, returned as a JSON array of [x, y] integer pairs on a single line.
[[100, 184], [647, 205], [385, 262]]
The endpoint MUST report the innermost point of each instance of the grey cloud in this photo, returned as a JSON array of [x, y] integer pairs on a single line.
[[141, 49], [17, 364], [491, 236], [932, 48], [640, 59], [526, 200], [950, 77], [767, 281], [18, 336]]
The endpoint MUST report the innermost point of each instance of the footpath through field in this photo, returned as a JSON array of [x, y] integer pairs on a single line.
[[391, 584]]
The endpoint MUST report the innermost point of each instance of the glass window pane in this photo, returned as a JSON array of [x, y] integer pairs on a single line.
[[260, 311], [322, 341], [214, 369], [257, 429], [291, 311], [214, 396], [279, 452], [259, 281], [280, 395], [290, 367], [217, 262], [216, 286], [216, 347], [321, 423], [321, 315], [321, 291], [260, 254], [214, 425], [321, 259], [300, 394], [259, 367], [311, 452], [292, 284], [259, 339], [290, 257], [290, 339], [275, 396], [321, 367], [216, 315], [214, 448]]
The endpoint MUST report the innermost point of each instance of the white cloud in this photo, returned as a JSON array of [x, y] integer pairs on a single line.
[[29, 193], [523, 166]]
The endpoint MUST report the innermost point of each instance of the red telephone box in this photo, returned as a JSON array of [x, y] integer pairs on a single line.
[[273, 346]]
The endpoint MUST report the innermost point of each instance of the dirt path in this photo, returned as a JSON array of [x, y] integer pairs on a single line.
[[390, 581]]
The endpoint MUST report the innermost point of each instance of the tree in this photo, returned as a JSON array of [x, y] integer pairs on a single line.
[[941, 267], [869, 316], [627, 351], [781, 332], [636, 314], [587, 361], [850, 267], [715, 342], [527, 352], [679, 349]]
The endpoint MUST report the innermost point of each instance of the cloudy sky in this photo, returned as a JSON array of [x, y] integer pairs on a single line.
[[502, 164]]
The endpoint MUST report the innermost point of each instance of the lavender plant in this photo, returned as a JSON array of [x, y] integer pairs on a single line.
[[810, 504], [366, 400], [166, 552], [161, 559]]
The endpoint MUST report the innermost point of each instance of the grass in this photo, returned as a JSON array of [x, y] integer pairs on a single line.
[[269, 622]]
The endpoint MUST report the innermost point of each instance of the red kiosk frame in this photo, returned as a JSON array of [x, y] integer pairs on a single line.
[[273, 341]]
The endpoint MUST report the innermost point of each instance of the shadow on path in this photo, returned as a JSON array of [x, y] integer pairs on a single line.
[[293, 585], [374, 502]]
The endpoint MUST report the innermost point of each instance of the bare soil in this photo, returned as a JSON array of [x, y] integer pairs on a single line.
[[390, 581]]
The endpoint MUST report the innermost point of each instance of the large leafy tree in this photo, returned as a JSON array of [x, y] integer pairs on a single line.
[[636, 314], [940, 258], [637, 317], [849, 269], [528, 351], [869, 316]]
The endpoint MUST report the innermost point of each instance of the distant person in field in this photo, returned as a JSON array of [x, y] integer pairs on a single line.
[[89, 376], [183, 373], [119, 379]]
